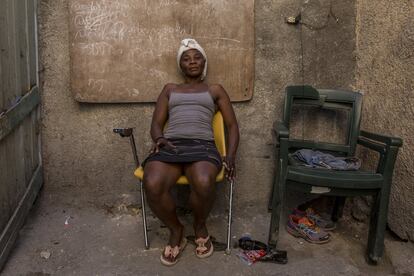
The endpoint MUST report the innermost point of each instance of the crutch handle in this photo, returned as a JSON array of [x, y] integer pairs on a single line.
[[129, 132], [124, 132]]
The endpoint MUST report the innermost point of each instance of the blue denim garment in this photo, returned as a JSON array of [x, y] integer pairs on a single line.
[[318, 159]]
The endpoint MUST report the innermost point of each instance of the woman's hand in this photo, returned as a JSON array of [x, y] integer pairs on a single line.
[[230, 166], [161, 143]]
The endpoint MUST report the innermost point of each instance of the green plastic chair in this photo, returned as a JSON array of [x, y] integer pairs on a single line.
[[339, 183]]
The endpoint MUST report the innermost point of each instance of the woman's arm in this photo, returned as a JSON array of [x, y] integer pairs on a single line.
[[159, 118], [224, 105]]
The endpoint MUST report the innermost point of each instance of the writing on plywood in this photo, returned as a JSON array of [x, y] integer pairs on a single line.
[[125, 50]]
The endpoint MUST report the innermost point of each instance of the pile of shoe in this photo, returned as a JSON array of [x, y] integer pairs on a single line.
[[310, 226]]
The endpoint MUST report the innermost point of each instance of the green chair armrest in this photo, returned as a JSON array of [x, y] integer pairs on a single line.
[[386, 146], [365, 137], [280, 130]]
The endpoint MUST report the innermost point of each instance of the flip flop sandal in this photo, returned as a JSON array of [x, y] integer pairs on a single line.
[[169, 256], [201, 250], [218, 246]]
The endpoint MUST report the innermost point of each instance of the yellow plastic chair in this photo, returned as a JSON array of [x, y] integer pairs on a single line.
[[220, 140]]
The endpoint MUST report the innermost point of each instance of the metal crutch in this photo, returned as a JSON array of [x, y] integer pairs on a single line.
[[228, 249], [128, 132]]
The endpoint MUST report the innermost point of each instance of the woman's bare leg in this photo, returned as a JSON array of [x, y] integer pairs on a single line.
[[202, 176], [159, 178]]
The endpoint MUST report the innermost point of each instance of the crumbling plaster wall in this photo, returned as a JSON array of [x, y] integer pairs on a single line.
[[385, 72]]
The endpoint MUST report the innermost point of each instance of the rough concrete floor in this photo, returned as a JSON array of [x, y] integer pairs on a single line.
[[108, 240]]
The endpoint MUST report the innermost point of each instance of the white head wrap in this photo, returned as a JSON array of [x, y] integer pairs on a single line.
[[188, 44]]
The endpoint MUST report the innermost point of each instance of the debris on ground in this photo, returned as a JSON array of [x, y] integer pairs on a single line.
[[253, 251], [67, 220], [249, 257], [45, 254], [122, 209], [275, 256]]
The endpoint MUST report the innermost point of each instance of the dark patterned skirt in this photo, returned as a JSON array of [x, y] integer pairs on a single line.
[[187, 151]]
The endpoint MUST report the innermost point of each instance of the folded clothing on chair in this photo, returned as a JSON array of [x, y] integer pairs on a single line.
[[318, 159]]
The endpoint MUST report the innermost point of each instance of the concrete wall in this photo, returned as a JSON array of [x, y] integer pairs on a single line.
[[385, 72], [87, 165]]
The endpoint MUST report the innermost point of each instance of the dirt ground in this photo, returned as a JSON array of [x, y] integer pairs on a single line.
[[63, 239]]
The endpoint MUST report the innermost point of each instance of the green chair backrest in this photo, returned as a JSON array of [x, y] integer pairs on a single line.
[[327, 99]]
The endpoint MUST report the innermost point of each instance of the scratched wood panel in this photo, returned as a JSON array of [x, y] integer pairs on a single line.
[[125, 51], [8, 53], [20, 166], [22, 49], [31, 37], [4, 179], [3, 58]]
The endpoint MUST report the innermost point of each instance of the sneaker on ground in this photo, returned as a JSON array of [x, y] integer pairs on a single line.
[[302, 227], [324, 223]]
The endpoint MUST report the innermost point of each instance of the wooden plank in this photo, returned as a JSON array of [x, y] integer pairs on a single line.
[[31, 37], [2, 67], [34, 133], [12, 118], [10, 232], [13, 177], [9, 173], [13, 65], [27, 145], [15, 170], [125, 51], [4, 203], [2, 105], [4, 56], [22, 76], [37, 148], [36, 137]]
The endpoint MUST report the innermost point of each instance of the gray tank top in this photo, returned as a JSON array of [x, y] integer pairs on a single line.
[[190, 115]]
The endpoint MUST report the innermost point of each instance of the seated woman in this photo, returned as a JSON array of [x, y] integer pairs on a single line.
[[187, 147]]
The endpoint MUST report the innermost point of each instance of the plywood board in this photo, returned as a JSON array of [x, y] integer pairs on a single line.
[[125, 51]]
